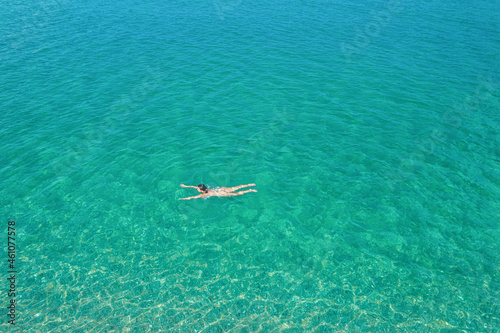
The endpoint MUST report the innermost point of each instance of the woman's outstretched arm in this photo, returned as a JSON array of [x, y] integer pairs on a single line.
[[195, 197], [195, 187], [182, 185]]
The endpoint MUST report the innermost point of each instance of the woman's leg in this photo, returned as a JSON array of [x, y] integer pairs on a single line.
[[234, 188], [242, 192]]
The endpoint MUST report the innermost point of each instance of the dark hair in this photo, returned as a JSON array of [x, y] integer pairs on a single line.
[[203, 188]]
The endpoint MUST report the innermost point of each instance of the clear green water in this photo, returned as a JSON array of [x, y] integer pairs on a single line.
[[371, 131]]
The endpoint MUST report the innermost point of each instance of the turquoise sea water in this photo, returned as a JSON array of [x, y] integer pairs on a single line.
[[371, 130]]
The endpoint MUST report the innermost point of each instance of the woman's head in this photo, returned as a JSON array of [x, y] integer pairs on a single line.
[[203, 188]]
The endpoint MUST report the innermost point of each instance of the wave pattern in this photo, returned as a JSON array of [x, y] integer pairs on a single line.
[[371, 131]]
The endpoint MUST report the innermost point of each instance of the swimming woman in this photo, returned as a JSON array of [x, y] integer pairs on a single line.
[[217, 192]]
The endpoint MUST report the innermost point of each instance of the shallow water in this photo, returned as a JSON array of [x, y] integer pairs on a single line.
[[371, 131]]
